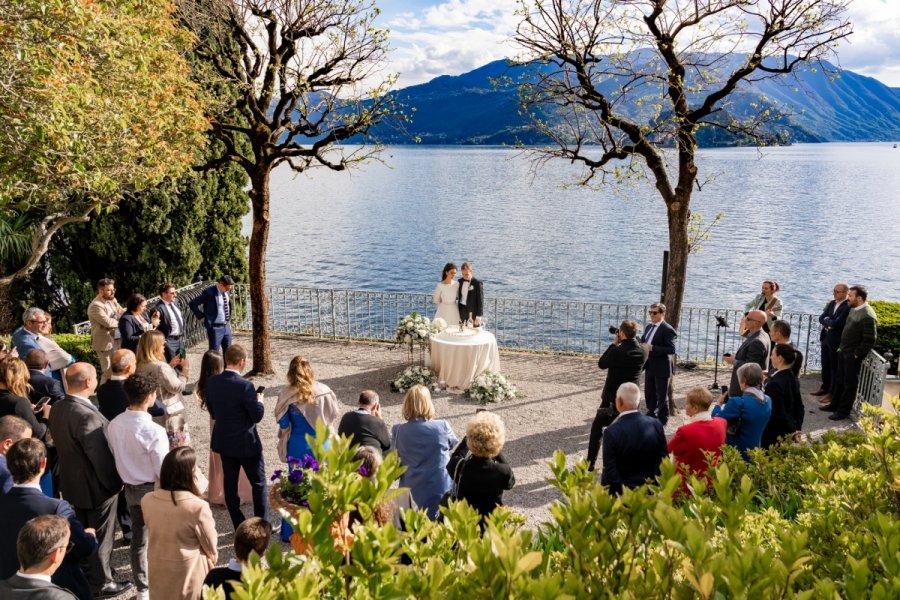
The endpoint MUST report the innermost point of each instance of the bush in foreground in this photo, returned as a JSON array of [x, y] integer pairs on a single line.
[[814, 521]]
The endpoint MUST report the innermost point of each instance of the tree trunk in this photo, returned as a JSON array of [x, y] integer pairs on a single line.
[[259, 297], [9, 320], [679, 215]]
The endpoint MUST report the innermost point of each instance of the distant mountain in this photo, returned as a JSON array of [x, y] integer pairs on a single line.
[[473, 109]]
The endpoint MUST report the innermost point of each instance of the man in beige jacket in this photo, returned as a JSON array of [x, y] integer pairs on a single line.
[[104, 313]]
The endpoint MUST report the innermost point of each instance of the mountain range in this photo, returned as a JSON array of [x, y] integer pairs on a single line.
[[816, 107]]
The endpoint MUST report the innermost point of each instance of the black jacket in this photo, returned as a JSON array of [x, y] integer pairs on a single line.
[[624, 362], [41, 386], [365, 429], [482, 481]]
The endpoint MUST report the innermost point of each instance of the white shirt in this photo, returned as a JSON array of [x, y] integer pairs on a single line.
[[138, 445], [174, 319], [83, 399], [37, 576], [464, 294], [56, 356]]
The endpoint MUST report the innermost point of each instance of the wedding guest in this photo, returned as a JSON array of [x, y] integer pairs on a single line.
[[423, 445], [748, 413], [213, 308], [41, 547], [832, 320], [702, 435], [14, 400], [57, 358], [364, 426], [132, 323], [386, 512], [41, 384], [300, 404], [251, 536], [754, 349], [212, 364], [25, 501], [12, 429], [445, 295], [767, 302], [170, 383], [470, 296], [182, 531], [27, 337], [478, 466], [104, 312], [139, 446], [783, 387], [171, 321]]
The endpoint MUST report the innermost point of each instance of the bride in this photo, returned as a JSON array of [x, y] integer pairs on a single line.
[[445, 295]]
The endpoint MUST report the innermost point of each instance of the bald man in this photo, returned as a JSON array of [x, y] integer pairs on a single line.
[[87, 471], [755, 349]]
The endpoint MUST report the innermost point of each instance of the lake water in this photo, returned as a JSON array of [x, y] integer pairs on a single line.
[[806, 215]]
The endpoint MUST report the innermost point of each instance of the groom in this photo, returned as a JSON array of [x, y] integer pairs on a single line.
[[470, 296]]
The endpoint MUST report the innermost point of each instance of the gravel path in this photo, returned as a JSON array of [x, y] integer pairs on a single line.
[[561, 395]]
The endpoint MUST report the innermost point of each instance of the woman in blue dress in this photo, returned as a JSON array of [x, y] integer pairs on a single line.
[[423, 445]]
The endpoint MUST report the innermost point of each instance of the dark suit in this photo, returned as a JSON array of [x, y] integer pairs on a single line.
[[33, 589], [24, 503], [474, 305], [832, 322], [41, 386], [113, 401], [174, 343], [365, 429], [624, 362], [87, 475], [130, 330], [218, 326], [633, 448], [754, 349], [658, 368], [222, 577], [232, 404], [787, 407]]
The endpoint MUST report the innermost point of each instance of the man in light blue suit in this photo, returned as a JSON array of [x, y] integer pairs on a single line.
[[215, 312]]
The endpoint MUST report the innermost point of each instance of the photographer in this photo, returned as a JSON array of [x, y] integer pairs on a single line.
[[623, 359]]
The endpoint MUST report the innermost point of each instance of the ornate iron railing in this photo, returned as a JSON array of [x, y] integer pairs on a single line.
[[872, 376]]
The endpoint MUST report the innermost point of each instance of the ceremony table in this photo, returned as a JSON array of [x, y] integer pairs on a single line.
[[458, 358]]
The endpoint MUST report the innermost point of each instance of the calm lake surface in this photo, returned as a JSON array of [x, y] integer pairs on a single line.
[[806, 215]]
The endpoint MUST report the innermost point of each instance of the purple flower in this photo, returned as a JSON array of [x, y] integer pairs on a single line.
[[304, 503], [276, 474], [295, 477], [363, 470], [292, 460], [310, 463]]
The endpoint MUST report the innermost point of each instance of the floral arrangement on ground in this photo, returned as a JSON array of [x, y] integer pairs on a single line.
[[295, 482], [412, 376], [414, 329], [491, 387]]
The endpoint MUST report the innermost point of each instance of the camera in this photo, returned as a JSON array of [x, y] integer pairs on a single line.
[[613, 330]]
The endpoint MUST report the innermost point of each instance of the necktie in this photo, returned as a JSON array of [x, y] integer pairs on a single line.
[[226, 307], [649, 332]]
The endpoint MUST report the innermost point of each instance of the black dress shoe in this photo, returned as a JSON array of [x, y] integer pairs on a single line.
[[838, 417], [113, 588], [828, 408], [820, 392]]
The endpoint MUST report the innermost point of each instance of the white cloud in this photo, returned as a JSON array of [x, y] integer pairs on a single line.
[[874, 47]]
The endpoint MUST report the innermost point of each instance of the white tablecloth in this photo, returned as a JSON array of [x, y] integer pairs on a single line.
[[458, 360]]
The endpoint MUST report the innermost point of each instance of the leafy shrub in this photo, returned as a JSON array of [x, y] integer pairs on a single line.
[[78, 346], [816, 521], [888, 314]]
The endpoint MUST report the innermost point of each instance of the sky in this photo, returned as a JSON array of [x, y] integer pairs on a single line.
[[450, 37]]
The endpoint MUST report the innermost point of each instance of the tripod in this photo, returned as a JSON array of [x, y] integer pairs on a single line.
[[721, 323]]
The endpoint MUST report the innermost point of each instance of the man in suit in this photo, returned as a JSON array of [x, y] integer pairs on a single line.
[[41, 545], [12, 429], [755, 348], [27, 337], [364, 426], [236, 408], [87, 471], [213, 308], [41, 384], [659, 339], [857, 339], [251, 536], [25, 501], [171, 321], [634, 445], [470, 297], [104, 313], [832, 320], [623, 359]]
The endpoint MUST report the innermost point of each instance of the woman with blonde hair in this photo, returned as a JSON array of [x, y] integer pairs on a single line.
[[303, 402], [151, 360], [423, 446], [478, 467], [14, 390]]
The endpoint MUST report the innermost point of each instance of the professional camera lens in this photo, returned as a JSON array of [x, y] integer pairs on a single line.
[[613, 330]]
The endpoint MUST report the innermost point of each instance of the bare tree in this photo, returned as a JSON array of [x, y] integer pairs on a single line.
[[303, 75], [628, 83]]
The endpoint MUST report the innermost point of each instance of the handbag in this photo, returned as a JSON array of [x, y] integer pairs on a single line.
[[453, 493]]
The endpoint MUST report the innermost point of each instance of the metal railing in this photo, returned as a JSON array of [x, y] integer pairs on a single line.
[[872, 375], [194, 332], [558, 326]]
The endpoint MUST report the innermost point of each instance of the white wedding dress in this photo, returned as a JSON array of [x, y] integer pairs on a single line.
[[445, 298]]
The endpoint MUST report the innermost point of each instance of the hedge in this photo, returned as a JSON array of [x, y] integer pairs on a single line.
[[79, 346]]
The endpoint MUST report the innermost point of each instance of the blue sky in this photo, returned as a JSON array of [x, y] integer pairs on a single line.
[[454, 36]]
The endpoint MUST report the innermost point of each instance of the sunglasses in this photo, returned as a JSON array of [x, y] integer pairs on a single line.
[[654, 312]]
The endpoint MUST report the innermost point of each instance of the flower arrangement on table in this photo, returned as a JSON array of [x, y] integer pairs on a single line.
[[491, 387], [414, 375]]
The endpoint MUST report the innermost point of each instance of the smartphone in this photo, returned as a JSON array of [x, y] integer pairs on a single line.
[[260, 389], [40, 404], [727, 354], [724, 389], [182, 352]]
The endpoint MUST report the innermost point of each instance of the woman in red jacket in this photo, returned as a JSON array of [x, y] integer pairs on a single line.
[[702, 434]]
